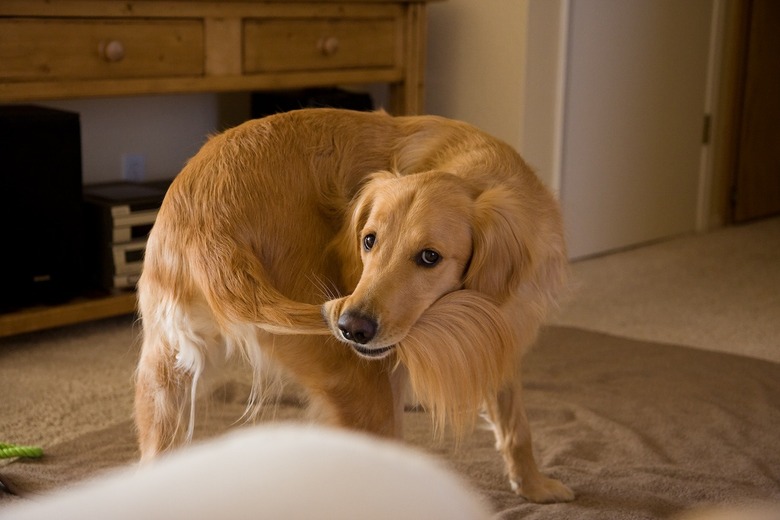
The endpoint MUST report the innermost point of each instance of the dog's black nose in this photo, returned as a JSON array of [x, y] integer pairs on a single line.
[[357, 327]]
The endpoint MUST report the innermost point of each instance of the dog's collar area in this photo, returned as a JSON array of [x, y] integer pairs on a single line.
[[374, 353]]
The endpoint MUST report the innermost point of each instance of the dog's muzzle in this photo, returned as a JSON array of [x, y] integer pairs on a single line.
[[358, 329]]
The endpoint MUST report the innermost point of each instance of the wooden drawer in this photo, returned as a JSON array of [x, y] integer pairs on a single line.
[[78, 49], [280, 45]]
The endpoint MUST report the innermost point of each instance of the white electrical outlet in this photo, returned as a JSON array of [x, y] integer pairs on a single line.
[[133, 167]]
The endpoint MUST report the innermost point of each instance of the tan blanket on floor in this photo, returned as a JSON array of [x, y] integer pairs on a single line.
[[636, 429]]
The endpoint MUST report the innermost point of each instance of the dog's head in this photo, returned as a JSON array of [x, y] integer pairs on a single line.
[[420, 237]]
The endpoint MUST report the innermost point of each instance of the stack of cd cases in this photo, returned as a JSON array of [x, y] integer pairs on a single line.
[[119, 217]]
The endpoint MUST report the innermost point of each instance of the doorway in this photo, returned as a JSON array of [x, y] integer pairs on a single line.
[[636, 77]]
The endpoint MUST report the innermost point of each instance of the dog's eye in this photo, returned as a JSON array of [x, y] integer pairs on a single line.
[[368, 241], [428, 258]]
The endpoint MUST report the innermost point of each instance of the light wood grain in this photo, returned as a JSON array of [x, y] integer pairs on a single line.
[[296, 45], [63, 49], [37, 318], [50, 50]]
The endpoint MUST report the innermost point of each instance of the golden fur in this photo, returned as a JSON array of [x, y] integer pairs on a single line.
[[314, 239]]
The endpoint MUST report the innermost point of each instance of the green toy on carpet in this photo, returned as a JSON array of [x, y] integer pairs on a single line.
[[8, 451]]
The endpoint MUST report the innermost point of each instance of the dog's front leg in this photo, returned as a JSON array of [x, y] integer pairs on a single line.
[[399, 382], [513, 441]]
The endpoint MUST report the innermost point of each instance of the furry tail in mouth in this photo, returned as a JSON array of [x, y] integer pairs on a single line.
[[459, 354], [238, 290]]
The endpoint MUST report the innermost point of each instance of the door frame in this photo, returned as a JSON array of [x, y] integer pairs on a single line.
[[733, 26]]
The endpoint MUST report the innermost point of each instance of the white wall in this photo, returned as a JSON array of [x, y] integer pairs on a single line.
[[476, 64], [167, 130]]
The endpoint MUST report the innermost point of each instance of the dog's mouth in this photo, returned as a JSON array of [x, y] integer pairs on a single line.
[[372, 353]]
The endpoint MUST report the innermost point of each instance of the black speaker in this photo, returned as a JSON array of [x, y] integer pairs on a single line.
[[40, 206]]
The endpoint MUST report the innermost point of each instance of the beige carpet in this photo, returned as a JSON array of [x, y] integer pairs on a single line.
[[637, 429], [717, 291]]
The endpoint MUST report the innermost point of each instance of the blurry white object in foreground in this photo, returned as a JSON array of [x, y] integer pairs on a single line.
[[290, 472]]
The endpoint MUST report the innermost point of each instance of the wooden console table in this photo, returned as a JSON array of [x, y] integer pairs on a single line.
[[91, 48]]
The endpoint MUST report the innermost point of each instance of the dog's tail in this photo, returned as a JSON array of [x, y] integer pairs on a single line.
[[227, 276], [238, 290], [459, 354]]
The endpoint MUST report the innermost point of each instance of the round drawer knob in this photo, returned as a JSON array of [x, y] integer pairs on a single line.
[[112, 51], [328, 45]]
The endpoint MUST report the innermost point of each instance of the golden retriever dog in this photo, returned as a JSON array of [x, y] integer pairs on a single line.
[[362, 254]]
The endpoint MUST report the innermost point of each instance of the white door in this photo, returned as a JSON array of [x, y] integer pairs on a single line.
[[636, 73]]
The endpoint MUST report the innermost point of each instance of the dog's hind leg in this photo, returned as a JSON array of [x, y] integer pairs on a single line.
[[171, 363], [160, 398], [513, 441]]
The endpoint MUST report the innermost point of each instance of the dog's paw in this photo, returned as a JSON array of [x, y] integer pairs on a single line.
[[543, 490]]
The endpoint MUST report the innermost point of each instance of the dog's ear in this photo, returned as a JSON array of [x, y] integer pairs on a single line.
[[503, 253], [347, 243], [363, 202]]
